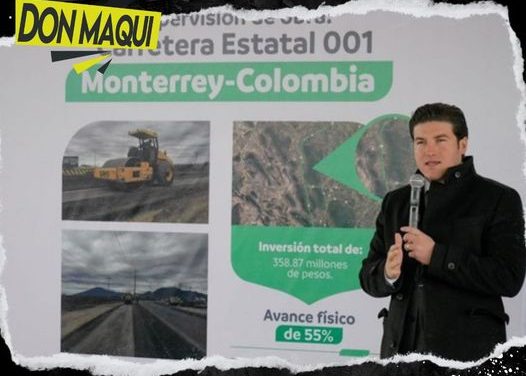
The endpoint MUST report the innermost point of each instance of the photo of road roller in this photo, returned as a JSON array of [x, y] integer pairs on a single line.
[[145, 163], [137, 171]]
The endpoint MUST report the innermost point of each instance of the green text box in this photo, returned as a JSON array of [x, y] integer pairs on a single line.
[[233, 82], [309, 263], [309, 334]]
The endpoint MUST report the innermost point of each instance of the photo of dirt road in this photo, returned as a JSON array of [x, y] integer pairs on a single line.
[[275, 182], [137, 172], [134, 294]]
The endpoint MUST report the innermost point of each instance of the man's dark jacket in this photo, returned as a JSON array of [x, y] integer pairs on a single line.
[[479, 256]]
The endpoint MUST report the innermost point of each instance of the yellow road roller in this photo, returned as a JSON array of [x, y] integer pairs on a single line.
[[145, 163]]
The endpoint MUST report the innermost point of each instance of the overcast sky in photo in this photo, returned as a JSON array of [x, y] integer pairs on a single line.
[[109, 259], [185, 141]]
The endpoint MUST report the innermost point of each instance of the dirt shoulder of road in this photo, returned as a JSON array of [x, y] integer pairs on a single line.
[[73, 320]]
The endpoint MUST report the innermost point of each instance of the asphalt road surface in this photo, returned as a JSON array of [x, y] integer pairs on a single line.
[[146, 329], [185, 201], [99, 192]]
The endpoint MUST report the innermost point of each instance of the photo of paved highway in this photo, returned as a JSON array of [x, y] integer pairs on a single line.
[[137, 171], [134, 294]]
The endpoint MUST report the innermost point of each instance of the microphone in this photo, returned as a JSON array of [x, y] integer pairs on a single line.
[[416, 182]]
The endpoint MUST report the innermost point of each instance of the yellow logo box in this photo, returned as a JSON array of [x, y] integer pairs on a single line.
[[53, 23]]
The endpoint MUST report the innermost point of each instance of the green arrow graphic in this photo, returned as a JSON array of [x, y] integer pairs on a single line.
[[340, 165]]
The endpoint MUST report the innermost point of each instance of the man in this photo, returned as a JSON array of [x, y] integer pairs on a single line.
[[446, 277]]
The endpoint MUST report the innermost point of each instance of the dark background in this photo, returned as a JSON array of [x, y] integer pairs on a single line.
[[511, 363]]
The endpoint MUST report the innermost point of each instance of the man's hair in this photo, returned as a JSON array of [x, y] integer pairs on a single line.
[[440, 112]]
